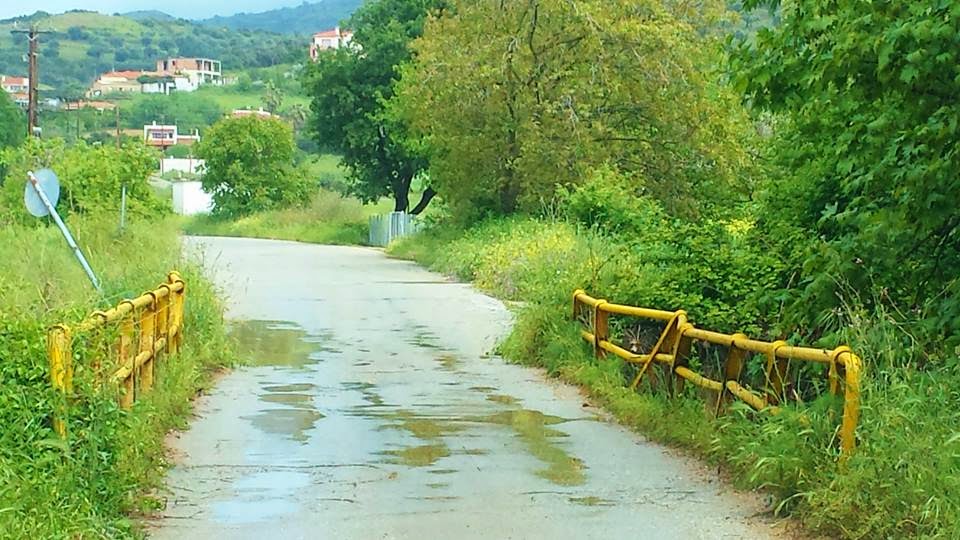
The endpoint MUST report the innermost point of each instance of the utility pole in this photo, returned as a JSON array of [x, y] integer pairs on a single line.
[[33, 76]]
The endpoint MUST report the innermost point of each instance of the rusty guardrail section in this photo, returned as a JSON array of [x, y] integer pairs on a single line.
[[672, 351], [150, 326]]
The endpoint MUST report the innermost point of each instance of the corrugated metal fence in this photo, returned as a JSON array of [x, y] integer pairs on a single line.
[[386, 227]]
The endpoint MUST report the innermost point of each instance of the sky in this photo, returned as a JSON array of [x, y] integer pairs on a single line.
[[188, 9]]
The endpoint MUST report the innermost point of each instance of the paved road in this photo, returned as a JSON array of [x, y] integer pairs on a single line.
[[373, 408]]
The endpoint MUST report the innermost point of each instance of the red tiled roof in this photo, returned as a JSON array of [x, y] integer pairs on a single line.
[[11, 81], [129, 74], [333, 33]]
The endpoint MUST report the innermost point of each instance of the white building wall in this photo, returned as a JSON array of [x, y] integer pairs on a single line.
[[189, 199]]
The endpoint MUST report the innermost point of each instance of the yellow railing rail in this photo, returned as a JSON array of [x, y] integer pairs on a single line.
[[672, 351], [150, 326]]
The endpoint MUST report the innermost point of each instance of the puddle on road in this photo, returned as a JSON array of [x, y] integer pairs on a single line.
[[292, 423], [290, 410], [272, 343], [297, 401], [532, 427], [367, 390], [502, 399], [591, 501], [448, 362], [417, 456]]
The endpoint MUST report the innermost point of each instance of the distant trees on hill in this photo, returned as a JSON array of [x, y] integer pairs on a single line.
[[73, 57]]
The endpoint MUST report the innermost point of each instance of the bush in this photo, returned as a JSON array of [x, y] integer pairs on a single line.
[[250, 166], [91, 178]]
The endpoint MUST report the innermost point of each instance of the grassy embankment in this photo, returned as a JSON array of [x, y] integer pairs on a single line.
[[328, 218], [96, 483], [903, 480]]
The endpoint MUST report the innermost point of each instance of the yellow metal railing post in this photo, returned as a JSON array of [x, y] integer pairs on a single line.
[[127, 362], [177, 300], [61, 373], [163, 319], [732, 368], [680, 355], [147, 341], [601, 328], [851, 405], [776, 372]]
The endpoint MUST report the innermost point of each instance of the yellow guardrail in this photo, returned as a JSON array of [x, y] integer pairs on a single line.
[[150, 326], [672, 351]]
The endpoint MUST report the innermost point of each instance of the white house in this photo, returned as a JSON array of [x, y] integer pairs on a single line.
[[329, 39]]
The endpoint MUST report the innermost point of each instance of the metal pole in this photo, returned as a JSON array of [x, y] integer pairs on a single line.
[[66, 232], [123, 206]]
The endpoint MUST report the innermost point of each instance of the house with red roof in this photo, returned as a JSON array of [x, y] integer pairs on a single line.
[[17, 87], [329, 39]]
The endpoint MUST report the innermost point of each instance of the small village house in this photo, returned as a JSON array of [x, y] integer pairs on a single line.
[[329, 39], [164, 136], [17, 87]]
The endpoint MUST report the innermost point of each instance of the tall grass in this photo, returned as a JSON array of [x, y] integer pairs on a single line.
[[330, 218], [92, 484], [903, 480]]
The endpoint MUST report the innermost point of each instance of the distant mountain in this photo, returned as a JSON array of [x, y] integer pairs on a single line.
[[147, 15], [84, 44], [306, 18]]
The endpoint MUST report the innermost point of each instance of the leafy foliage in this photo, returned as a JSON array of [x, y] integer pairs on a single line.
[[514, 98], [868, 151], [187, 111], [250, 166], [350, 86], [91, 178], [13, 125]]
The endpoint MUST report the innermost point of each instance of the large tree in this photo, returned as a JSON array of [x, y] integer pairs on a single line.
[[350, 87], [866, 97], [514, 98], [249, 166]]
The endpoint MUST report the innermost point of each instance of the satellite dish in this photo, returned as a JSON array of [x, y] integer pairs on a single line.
[[50, 184]]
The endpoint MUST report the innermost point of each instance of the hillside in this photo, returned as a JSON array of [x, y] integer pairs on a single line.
[[306, 18], [84, 44]]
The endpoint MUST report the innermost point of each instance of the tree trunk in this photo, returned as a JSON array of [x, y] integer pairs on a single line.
[[425, 199], [401, 200]]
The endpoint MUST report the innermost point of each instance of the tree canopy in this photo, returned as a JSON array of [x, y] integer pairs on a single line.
[[249, 166], [515, 98], [868, 124], [350, 87]]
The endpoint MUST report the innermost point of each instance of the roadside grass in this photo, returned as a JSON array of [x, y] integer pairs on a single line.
[[904, 479], [97, 482], [330, 218]]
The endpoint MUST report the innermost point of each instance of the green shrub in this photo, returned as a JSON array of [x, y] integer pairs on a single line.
[[250, 166], [91, 178]]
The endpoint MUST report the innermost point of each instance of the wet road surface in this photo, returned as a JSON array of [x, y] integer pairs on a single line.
[[373, 407]]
